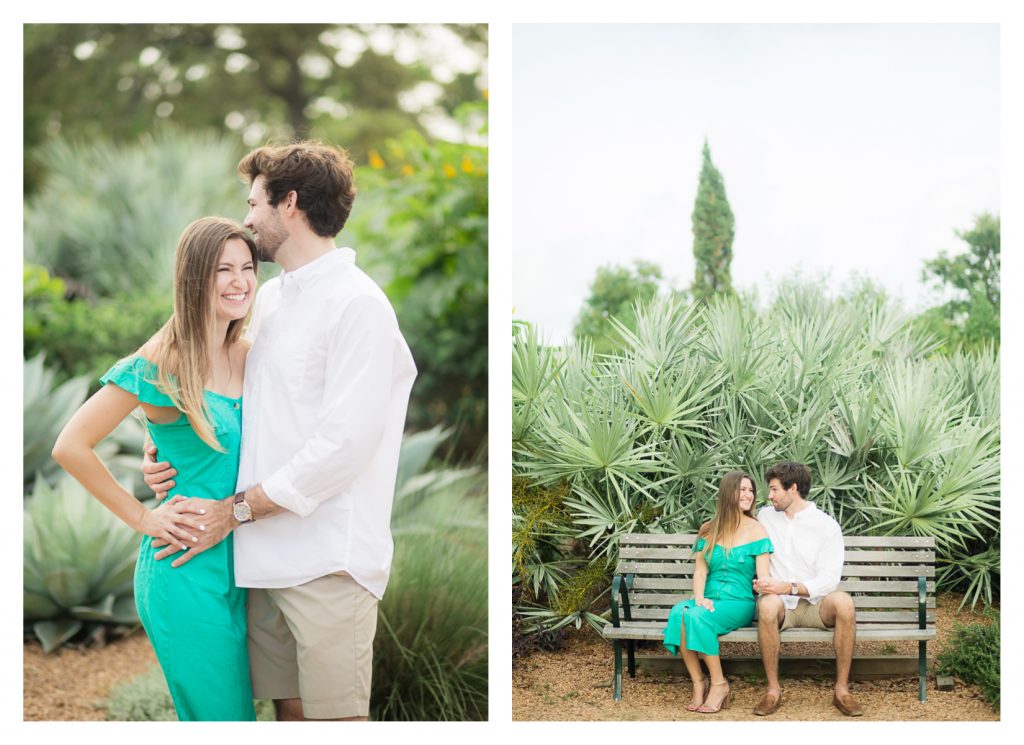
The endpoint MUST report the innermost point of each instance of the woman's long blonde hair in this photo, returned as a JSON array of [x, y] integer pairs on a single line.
[[183, 358], [722, 527]]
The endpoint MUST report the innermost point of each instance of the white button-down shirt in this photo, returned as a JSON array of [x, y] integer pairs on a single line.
[[808, 549], [326, 388]]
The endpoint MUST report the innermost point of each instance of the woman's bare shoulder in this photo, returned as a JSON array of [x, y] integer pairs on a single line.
[[151, 349], [752, 529]]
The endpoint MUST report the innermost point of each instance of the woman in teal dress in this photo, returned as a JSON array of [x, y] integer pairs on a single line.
[[188, 381], [730, 549]]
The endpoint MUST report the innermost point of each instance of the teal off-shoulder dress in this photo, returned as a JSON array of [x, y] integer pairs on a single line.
[[730, 586], [194, 615]]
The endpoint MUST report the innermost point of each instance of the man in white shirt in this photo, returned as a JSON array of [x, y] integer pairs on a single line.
[[806, 567], [326, 387]]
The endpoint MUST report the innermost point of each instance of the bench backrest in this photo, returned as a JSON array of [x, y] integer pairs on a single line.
[[880, 573]]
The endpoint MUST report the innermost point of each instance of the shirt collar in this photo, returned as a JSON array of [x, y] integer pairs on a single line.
[[307, 274]]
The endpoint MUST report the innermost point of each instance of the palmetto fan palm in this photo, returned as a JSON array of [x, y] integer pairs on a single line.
[[898, 441]]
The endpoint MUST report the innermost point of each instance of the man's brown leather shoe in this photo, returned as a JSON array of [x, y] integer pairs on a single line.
[[847, 704], [768, 704]]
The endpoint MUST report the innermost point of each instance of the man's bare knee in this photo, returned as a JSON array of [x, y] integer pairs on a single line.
[[770, 609], [838, 607]]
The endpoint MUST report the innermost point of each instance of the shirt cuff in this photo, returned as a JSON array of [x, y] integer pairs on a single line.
[[284, 494]]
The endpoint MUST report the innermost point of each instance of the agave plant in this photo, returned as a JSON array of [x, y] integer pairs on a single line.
[[898, 440], [48, 406], [79, 563]]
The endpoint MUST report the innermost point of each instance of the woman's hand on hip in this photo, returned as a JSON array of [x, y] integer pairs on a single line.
[[169, 521]]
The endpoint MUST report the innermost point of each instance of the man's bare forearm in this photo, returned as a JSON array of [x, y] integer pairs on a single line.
[[261, 505]]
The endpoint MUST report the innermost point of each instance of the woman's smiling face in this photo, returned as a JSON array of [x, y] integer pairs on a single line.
[[235, 281], [746, 494]]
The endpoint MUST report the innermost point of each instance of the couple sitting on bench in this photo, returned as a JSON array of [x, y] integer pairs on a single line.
[[796, 552]]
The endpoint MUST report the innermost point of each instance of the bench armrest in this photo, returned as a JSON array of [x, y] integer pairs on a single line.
[[621, 585]]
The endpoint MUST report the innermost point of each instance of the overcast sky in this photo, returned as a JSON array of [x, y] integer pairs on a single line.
[[844, 148]]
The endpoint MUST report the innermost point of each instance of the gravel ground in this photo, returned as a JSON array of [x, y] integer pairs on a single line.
[[575, 684], [70, 684]]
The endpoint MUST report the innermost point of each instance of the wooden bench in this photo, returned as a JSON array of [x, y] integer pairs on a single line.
[[891, 580]]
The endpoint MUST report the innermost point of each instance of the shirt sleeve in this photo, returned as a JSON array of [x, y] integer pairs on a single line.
[[829, 566], [357, 392]]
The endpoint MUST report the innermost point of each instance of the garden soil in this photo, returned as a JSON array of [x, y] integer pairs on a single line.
[[575, 684], [71, 684]]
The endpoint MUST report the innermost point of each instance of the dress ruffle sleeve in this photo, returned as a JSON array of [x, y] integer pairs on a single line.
[[763, 546], [139, 376]]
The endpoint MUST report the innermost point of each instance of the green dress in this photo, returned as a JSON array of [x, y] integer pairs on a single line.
[[194, 615], [730, 586]]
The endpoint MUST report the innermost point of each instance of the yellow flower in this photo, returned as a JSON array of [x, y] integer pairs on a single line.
[[407, 170], [375, 160], [485, 94], [467, 164], [448, 170]]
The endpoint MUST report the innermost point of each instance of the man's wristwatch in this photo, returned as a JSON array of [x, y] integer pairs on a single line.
[[241, 509], [793, 589]]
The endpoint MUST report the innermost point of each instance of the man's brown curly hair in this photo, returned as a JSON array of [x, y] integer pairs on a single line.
[[320, 175]]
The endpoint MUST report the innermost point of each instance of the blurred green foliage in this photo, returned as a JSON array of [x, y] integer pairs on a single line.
[[85, 337], [109, 216], [352, 84], [421, 229]]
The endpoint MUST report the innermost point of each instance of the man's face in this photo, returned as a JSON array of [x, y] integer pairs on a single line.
[[264, 221], [779, 497]]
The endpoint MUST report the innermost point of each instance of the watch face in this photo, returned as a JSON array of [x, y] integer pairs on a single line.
[[242, 512]]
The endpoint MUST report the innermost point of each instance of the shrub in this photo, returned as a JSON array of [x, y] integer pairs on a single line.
[[899, 440], [430, 652], [145, 698], [422, 220], [108, 216], [972, 655], [85, 337]]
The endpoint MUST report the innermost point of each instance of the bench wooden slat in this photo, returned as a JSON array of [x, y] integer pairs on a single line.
[[890, 616], [637, 599], [686, 583], [849, 570], [688, 539], [896, 556], [652, 631]]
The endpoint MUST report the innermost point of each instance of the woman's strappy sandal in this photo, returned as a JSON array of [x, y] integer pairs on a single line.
[[725, 704], [704, 692]]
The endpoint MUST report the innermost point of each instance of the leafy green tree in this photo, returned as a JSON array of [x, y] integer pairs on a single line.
[[713, 233], [613, 293], [262, 81], [971, 319]]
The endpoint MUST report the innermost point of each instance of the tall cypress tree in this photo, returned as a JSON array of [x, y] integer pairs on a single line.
[[713, 232]]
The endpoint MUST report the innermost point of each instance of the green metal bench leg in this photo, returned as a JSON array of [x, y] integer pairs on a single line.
[[631, 658], [617, 686], [922, 669]]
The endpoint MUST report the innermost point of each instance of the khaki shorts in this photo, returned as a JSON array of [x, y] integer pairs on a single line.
[[804, 616], [314, 642]]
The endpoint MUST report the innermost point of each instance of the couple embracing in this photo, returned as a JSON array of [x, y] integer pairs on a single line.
[[260, 570], [791, 557]]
